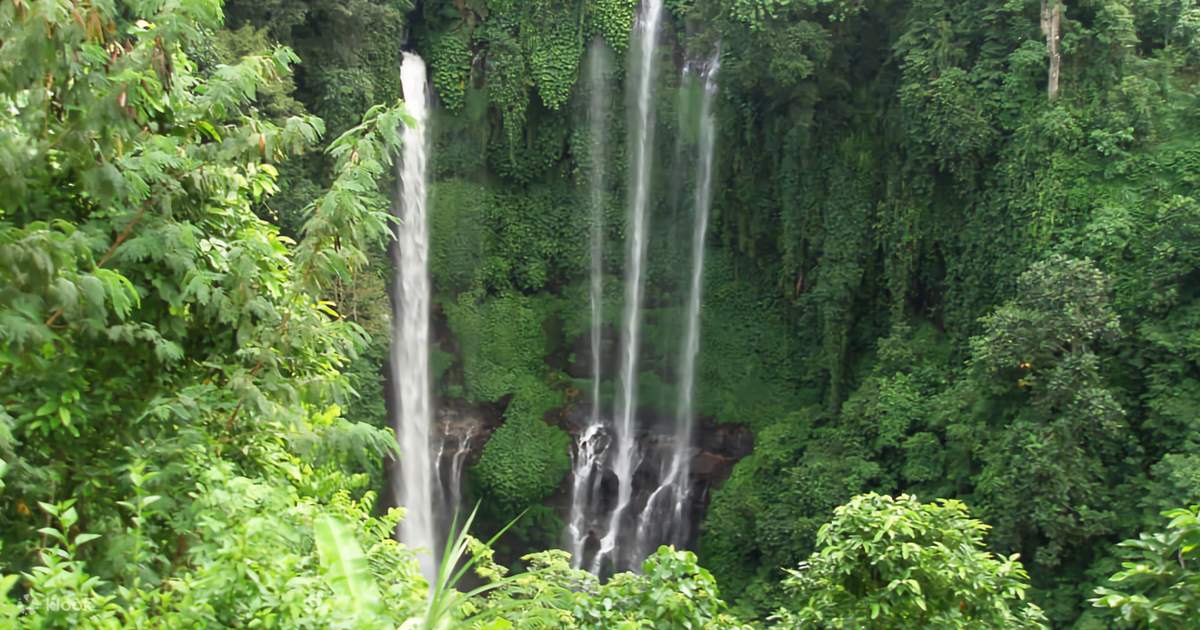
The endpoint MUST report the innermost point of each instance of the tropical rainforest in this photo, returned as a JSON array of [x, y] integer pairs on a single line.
[[948, 372]]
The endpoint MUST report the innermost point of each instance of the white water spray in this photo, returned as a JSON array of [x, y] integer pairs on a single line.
[[413, 479]]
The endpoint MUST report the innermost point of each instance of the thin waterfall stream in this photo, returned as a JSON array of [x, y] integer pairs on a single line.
[[664, 518], [685, 418], [625, 458], [587, 462], [450, 473]]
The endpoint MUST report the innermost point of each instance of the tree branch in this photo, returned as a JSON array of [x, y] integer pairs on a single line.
[[107, 255]]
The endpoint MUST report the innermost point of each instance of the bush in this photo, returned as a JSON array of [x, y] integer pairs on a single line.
[[525, 459], [897, 563], [1160, 584]]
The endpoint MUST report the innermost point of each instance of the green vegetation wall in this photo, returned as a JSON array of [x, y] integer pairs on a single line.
[[926, 274], [987, 271]]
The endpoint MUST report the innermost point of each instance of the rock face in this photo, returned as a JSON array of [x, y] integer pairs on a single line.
[[460, 422], [718, 448], [579, 365], [721, 446], [459, 433]]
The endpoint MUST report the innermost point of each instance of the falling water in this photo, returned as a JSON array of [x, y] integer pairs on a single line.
[[691, 347], [588, 455], [665, 512], [410, 327], [451, 476], [625, 457], [596, 120], [588, 471]]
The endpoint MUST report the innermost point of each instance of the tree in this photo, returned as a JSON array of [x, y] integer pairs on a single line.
[[671, 591], [166, 356], [889, 562], [1160, 584], [1053, 424], [1052, 11]]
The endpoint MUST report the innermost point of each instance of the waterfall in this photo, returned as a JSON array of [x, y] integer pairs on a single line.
[[664, 518], [413, 480], [642, 139], [588, 471], [451, 476], [589, 453], [629, 525], [685, 418]]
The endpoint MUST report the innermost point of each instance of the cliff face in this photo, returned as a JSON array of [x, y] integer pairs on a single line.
[[461, 431], [718, 448]]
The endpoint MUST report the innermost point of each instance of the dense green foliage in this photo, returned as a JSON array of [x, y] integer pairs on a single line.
[[980, 281], [1158, 587], [930, 277], [897, 563], [171, 371], [925, 278]]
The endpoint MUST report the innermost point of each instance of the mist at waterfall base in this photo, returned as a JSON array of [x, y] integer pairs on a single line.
[[603, 534]]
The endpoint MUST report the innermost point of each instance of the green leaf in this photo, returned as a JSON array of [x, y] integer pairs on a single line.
[[7, 583], [345, 567], [85, 538], [121, 294], [207, 129], [51, 532]]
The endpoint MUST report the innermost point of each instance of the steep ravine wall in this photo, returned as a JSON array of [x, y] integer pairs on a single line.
[[888, 174]]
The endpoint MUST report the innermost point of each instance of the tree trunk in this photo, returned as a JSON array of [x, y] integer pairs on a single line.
[[1051, 25]]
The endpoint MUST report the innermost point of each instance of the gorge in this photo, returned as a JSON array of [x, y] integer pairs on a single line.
[[608, 314]]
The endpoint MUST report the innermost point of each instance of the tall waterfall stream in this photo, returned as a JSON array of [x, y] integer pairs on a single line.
[[409, 358]]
